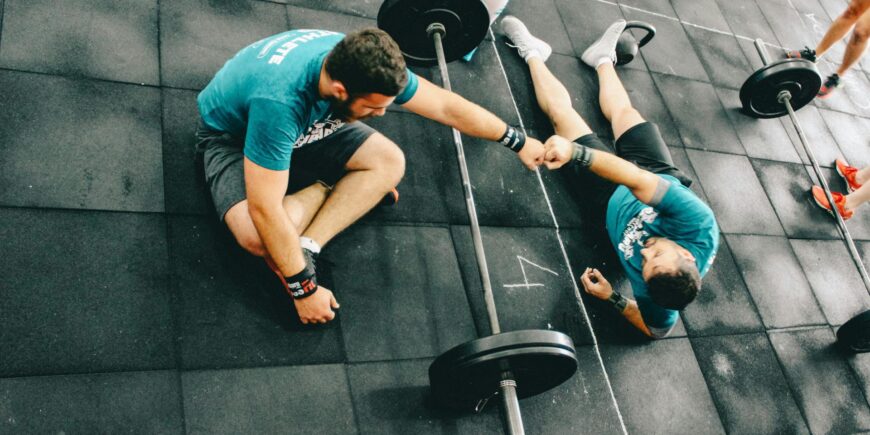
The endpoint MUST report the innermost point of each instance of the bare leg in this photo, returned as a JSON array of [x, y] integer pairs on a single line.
[[556, 102], [614, 101], [857, 43], [842, 24], [863, 175], [300, 207], [858, 197], [376, 167]]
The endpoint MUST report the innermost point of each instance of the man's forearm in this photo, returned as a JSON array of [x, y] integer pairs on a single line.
[[632, 314], [642, 183], [473, 120], [279, 237]]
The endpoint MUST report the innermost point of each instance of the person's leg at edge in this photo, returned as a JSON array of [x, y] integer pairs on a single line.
[[300, 207], [373, 170], [862, 194], [842, 24], [857, 43], [554, 100], [614, 101]]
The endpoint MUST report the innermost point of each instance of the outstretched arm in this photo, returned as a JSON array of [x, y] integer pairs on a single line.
[[642, 183], [451, 109]]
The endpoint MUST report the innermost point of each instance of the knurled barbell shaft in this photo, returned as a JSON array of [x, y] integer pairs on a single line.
[[508, 387], [436, 34], [785, 98]]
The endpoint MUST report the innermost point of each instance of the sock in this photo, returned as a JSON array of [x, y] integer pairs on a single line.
[[309, 244], [603, 60], [532, 54]]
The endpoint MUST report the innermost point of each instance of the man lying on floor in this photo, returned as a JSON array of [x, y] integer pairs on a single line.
[[666, 237], [300, 93]]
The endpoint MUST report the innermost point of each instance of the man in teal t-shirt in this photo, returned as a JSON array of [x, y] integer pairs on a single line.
[[665, 236], [286, 162]]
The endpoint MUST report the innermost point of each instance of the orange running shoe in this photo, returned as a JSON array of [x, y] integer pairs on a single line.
[[839, 199], [849, 174]]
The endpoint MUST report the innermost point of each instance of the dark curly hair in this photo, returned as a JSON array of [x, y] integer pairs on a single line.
[[675, 290], [368, 61]]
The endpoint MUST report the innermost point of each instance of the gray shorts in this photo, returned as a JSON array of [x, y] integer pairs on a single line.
[[323, 161]]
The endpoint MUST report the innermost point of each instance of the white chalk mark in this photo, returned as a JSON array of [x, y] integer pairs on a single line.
[[534, 284], [522, 259], [526, 282]]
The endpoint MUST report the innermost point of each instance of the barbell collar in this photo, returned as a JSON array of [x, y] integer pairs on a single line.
[[784, 97], [436, 28], [511, 406]]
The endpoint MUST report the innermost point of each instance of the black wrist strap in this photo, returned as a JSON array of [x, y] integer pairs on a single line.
[[303, 284], [513, 139], [582, 155], [619, 302]]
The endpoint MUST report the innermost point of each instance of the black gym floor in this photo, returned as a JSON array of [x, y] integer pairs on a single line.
[[124, 306]]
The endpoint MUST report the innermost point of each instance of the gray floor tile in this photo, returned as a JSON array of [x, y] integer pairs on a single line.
[[392, 397], [788, 185], [774, 277], [645, 97], [100, 302], [662, 385], [531, 284], [747, 385], [98, 403], [363, 8], [852, 135], [745, 19], [762, 138], [723, 306], [311, 16], [431, 190], [784, 20], [701, 12], [87, 38], [543, 20], [824, 387], [681, 161], [303, 399], [833, 277], [79, 144], [232, 310], [184, 183], [819, 137], [860, 363], [568, 206], [555, 411], [483, 82], [662, 7], [839, 101], [735, 194], [699, 114], [858, 90], [401, 292], [671, 51], [198, 36], [721, 56]]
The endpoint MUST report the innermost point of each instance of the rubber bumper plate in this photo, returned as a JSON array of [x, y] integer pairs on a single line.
[[537, 360], [760, 92]]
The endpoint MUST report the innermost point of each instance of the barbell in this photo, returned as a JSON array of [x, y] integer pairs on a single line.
[[514, 364], [781, 88]]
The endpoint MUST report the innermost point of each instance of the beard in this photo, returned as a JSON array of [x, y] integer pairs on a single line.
[[341, 109]]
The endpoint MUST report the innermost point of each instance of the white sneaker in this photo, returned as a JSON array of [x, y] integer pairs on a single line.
[[604, 48], [527, 45]]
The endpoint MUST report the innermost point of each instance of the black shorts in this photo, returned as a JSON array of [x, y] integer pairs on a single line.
[[323, 160], [642, 145]]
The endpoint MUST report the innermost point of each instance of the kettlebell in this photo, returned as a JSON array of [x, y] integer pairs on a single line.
[[627, 46]]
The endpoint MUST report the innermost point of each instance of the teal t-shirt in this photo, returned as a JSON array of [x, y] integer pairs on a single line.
[[268, 94], [679, 216]]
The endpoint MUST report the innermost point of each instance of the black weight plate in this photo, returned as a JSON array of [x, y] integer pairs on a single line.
[[466, 23], [854, 335], [538, 360], [760, 91]]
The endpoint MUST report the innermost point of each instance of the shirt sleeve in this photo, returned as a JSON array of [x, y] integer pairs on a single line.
[[681, 204], [272, 129], [655, 317], [410, 88]]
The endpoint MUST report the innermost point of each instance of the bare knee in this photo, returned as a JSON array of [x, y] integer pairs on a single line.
[[853, 11], [860, 34], [381, 155], [238, 220]]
